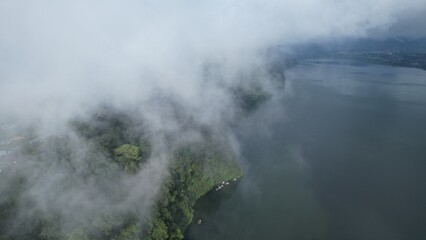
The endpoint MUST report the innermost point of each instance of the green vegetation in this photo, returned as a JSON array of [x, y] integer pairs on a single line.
[[129, 157], [131, 232], [194, 172], [117, 147]]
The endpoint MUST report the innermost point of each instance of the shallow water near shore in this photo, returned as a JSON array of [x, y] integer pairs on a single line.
[[339, 154]]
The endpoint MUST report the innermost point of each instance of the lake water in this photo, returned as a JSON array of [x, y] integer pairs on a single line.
[[339, 154]]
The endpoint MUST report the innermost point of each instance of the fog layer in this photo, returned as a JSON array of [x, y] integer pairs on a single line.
[[62, 60]]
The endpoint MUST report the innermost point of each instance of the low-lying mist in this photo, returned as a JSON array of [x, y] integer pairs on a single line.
[[170, 70]]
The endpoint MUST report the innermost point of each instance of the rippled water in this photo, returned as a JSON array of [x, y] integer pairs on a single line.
[[340, 154]]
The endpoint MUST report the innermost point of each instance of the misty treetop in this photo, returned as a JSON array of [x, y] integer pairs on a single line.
[[109, 175], [94, 169], [129, 156], [100, 180], [114, 150]]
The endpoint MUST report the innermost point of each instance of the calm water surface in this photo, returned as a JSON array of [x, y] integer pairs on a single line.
[[341, 154]]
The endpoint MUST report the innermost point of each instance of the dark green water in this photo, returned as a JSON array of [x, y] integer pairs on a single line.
[[340, 155]]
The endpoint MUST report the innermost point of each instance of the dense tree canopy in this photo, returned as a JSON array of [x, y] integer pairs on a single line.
[[129, 156], [117, 146]]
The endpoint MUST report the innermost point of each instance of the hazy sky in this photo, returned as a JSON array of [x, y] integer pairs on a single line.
[[58, 58]]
